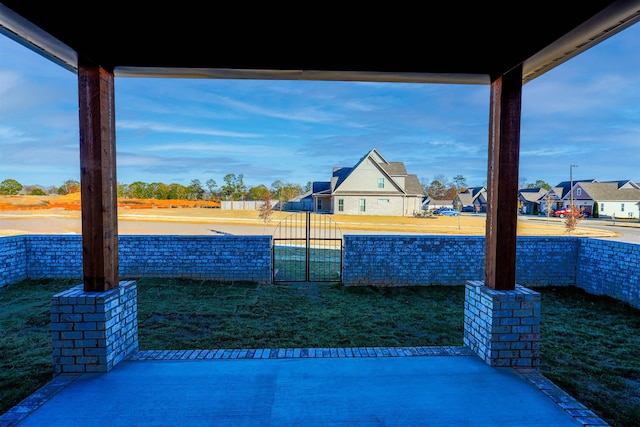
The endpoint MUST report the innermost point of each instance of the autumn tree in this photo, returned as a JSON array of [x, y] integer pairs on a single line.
[[437, 188], [285, 191], [265, 211], [571, 221], [290, 190], [547, 204], [70, 186], [10, 187], [440, 188], [460, 183]]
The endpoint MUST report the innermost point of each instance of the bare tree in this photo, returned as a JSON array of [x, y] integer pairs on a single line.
[[572, 219], [265, 211]]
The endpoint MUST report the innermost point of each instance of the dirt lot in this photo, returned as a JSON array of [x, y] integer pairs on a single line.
[[61, 215]]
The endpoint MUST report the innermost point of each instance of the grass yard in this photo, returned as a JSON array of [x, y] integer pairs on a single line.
[[590, 345]]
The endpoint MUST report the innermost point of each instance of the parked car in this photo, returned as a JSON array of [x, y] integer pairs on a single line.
[[447, 212], [566, 211]]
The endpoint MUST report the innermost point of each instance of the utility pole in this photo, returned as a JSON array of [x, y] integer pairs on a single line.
[[571, 186]]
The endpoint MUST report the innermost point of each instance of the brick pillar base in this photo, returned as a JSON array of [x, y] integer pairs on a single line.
[[503, 327], [93, 331]]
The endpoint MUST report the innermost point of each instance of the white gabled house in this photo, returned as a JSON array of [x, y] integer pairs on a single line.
[[615, 199], [374, 186]]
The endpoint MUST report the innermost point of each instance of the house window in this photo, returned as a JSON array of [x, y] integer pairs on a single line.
[[363, 205], [319, 204], [602, 206], [578, 191], [380, 182], [340, 205], [383, 201], [621, 207]]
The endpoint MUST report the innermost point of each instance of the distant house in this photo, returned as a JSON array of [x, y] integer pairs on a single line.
[[529, 200], [615, 199], [472, 199], [554, 198], [373, 186], [433, 204], [302, 202]]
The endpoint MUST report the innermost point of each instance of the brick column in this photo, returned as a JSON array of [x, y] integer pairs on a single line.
[[503, 327], [93, 331]]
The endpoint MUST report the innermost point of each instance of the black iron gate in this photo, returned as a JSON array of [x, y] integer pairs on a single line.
[[307, 247]]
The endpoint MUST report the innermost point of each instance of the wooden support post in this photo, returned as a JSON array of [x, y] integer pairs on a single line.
[[98, 179], [502, 180]]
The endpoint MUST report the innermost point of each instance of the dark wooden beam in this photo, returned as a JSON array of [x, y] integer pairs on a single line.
[[502, 180], [98, 179]]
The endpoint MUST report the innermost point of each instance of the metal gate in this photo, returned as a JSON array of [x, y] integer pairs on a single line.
[[307, 247]]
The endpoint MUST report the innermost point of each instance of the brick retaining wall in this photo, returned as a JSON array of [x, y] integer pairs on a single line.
[[389, 260], [227, 258], [13, 259], [610, 268], [598, 266]]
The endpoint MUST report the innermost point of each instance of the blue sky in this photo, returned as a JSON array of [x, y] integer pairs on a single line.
[[585, 112]]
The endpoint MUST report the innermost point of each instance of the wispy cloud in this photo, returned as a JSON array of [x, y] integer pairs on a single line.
[[157, 127], [586, 112]]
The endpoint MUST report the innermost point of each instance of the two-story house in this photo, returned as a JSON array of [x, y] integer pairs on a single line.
[[373, 186]]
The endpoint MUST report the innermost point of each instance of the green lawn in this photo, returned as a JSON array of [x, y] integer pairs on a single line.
[[590, 345]]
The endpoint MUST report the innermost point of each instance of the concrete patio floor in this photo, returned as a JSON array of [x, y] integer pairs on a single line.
[[415, 386]]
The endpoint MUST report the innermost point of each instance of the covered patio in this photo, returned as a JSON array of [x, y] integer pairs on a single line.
[[435, 386], [486, 43]]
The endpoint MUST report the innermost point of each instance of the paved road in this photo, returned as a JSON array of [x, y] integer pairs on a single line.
[[629, 232]]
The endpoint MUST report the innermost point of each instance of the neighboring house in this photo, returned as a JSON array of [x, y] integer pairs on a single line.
[[374, 186], [554, 198], [473, 199], [302, 202], [615, 199], [529, 200], [433, 204]]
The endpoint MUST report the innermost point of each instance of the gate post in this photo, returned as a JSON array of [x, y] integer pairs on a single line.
[[307, 246]]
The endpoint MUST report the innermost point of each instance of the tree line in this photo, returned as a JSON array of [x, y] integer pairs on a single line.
[[11, 187], [233, 188], [443, 188]]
